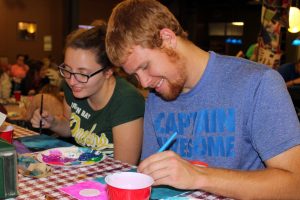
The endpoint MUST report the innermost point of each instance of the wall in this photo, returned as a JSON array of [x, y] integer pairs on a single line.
[[90, 10], [53, 17], [58, 17], [48, 15]]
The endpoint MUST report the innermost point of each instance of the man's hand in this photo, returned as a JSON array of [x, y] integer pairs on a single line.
[[168, 168]]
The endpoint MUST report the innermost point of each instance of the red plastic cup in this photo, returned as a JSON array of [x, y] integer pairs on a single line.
[[6, 133], [17, 95], [129, 185]]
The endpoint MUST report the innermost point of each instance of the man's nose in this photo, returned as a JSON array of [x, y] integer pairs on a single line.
[[144, 80]]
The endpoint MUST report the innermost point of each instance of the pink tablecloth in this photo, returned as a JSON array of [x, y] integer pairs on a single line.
[[43, 188], [47, 188]]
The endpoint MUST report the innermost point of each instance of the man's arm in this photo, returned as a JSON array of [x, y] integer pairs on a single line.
[[280, 179], [128, 138]]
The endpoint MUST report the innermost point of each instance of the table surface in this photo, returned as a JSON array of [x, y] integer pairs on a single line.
[[15, 111], [48, 187], [20, 131]]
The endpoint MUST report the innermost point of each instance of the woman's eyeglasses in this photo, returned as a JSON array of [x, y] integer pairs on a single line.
[[82, 78]]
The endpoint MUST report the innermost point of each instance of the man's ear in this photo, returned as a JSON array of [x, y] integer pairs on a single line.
[[168, 37]]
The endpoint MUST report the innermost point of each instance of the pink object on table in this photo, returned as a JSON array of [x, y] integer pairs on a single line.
[[88, 190]]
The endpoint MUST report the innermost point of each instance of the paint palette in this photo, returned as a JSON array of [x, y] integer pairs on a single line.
[[70, 156]]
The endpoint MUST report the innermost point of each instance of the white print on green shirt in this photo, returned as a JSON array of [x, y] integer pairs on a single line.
[[87, 137]]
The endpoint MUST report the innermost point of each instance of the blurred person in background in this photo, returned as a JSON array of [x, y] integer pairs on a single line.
[[33, 81], [290, 73], [252, 52], [50, 70], [18, 71], [5, 83]]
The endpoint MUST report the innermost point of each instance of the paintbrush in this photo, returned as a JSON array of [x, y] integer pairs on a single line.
[[166, 145]]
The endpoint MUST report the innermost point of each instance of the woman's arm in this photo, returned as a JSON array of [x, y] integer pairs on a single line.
[[128, 139]]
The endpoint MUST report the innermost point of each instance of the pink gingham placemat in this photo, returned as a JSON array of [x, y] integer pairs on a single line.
[[202, 195]]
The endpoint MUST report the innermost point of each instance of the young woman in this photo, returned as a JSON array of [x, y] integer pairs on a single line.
[[101, 110]]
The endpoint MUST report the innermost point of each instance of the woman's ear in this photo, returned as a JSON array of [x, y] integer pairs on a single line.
[[108, 73], [168, 37]]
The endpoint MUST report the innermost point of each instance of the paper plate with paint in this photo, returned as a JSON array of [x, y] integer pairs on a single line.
[[70, 156]]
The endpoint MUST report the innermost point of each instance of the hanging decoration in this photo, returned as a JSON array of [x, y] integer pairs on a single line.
[[274, 17]]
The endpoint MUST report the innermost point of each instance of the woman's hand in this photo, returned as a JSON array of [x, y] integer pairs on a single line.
[[47, 119]]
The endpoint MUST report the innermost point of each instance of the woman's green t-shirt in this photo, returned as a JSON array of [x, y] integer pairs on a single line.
[[94, 128]]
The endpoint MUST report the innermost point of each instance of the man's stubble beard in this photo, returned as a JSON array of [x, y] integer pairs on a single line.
[[175, 85]]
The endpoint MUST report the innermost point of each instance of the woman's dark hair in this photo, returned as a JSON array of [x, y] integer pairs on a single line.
[[91, 39]]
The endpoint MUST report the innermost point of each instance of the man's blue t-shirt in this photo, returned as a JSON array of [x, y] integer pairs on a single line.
[[237, 116]]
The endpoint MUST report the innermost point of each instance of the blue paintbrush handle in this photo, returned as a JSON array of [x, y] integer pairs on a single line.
[[167, 143]]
